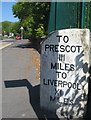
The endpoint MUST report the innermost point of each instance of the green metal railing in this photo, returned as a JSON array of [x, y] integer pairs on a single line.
[[65, 15]]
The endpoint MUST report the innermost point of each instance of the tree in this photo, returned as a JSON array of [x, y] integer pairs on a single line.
[[15, 28], [33, 17], [10, 27], [6, 27]]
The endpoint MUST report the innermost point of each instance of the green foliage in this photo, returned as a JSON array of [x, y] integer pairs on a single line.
[[33, 17], [6, 27], [10, 27], [15, 28], [40, 31]]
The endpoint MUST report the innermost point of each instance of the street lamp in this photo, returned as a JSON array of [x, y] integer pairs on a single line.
[[21, 32]]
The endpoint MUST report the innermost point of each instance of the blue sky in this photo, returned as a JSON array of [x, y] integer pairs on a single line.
[[7, 14]]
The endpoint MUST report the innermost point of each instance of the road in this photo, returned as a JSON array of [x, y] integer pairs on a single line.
[[6, 42], [21, 81]]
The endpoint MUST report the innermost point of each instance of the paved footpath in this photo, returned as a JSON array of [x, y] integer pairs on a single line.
[[21, 82], [20, 74]]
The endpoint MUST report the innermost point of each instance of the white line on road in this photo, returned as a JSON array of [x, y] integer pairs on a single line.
[[3, 46]]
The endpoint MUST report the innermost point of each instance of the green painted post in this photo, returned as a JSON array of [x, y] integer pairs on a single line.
[[51, 25], [90, 15], [83, 14], [55, 16]]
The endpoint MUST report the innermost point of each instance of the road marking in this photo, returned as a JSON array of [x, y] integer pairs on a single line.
[[4, 44]]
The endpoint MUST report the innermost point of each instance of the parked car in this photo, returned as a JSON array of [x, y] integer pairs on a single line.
[[18, 37]]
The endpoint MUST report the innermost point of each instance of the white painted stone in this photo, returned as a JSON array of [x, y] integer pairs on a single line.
[[64, 81]]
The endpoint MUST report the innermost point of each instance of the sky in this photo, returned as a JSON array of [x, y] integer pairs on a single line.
[[7, 14]]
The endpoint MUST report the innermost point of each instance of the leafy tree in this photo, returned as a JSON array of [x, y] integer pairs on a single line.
[[6, 27], [15, 28], [0, 27], [33, 17], [10, 27]]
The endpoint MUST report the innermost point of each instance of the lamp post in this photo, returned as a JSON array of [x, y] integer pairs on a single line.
[[21, 32]]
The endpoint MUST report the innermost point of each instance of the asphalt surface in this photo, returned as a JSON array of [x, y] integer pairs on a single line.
[[21, 81], [19, 76]]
